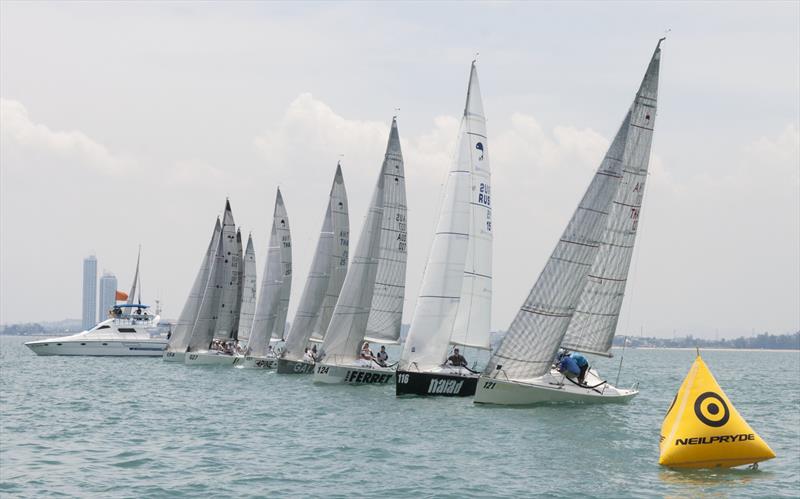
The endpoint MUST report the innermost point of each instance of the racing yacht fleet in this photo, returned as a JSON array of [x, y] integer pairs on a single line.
[[350, 304]]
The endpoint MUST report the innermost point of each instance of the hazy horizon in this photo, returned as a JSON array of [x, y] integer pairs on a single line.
[[128, 124]]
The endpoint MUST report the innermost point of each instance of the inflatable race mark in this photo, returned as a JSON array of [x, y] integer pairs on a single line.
[[702, 429]]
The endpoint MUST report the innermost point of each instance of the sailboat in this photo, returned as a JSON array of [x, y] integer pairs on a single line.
[[323, 284], [276, 283], [575, 303], [455, 301], [222, 302], [370, 305], [184, 328]]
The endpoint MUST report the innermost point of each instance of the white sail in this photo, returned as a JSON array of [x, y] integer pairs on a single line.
[[182, 332], [237, 311], [231, 275], [326, 275], [454, 304], [207, 317], [135, 279], [247, 312], [285, 247], [271, 286], [595, 320], [351, 315], [530, 345], [386, 310]]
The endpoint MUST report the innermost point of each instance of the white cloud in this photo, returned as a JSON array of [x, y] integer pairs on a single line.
[[20, 130]]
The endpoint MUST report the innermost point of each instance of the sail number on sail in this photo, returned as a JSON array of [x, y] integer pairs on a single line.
[[400, 218]]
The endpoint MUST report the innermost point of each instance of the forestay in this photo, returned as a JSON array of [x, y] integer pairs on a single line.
[[454, 305], [247, 311], [271, 286], [594, 323], [348, 325], [386, 310], [182, 333], [535, 334], [326, 275]]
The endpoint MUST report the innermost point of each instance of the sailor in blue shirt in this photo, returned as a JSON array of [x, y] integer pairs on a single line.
[[582, 363]]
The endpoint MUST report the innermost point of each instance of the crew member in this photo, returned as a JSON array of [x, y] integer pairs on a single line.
[[457, 359], [583, 365], [383, 356]]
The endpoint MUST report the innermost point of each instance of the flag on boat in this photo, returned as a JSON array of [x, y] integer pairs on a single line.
[[121, 295], [702, 429]]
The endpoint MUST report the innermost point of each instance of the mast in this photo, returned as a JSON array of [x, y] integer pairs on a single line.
[[326, 275], [454, 304], [594, 323], [530, 345], [351, 315]]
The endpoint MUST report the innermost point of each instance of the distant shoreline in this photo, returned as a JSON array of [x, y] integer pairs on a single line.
[[713, 349]]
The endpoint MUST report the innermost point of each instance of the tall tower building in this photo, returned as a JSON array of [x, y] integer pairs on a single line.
[[89, 291], [108, 295]]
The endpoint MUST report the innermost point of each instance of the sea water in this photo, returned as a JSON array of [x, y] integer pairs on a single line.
[[128, 427]]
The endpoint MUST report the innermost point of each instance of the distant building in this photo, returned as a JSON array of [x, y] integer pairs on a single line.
[[89, 291], [108, 294]]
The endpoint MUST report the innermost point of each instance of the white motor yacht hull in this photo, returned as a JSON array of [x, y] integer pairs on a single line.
[[209, 359], [99, 348], [251, 362], [334, 374], [550, 388], [174, 356]]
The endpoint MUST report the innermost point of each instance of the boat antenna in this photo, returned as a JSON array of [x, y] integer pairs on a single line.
[[476, 57], [339, 163], [396, 112], [622, 356]]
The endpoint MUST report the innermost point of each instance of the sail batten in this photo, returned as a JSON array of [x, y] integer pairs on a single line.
[[454, 304]]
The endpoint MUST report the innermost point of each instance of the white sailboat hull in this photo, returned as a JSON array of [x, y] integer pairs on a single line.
[[334, 374], [251, 362], [174, 357], [210, 359], [550, 388]]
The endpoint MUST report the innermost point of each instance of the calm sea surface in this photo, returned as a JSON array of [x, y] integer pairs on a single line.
[[110, 427]]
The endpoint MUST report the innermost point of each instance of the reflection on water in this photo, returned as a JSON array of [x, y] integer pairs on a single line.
[[716, 482]]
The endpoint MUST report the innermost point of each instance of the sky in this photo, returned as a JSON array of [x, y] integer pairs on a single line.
[[130, 123]]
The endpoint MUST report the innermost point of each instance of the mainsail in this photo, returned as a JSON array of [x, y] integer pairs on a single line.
[[248, 292], [354, 308], [386, 310], [285, 247], [271, 286], [207, 316], [454, 304], [536, 333], [135, 279], [595, 320], [182, 333], [230, 276]]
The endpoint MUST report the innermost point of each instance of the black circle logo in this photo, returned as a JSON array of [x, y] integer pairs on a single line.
[[708, 411]]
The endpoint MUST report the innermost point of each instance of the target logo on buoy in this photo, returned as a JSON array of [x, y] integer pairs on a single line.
[[711, 409]]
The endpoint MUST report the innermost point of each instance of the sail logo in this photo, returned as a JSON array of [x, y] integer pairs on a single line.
[[484, 194], [479, 146], [716, 439], [445, 386], [707, 409]]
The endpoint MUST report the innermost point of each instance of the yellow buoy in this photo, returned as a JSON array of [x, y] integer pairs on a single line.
[[702, 429]]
